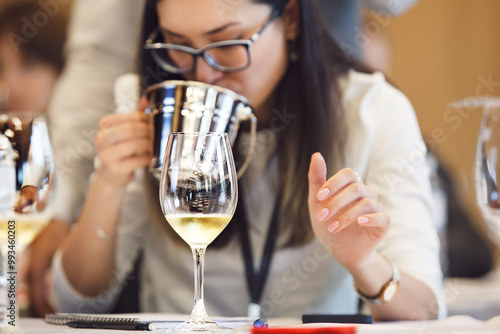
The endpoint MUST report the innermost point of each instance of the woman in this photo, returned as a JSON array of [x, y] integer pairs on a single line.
[[368, 218]]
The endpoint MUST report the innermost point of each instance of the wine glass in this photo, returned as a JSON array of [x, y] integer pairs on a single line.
[[26, 179], [487, 167], [198, 195]]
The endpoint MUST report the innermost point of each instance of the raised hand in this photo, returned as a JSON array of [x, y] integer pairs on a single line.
[[345, 214]]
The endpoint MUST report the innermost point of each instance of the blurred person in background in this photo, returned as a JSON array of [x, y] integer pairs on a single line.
[[101, 46], [31, 55], [32, 38], [344, 20]]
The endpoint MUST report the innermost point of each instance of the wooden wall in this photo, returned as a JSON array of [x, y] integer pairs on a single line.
[[444, 51]]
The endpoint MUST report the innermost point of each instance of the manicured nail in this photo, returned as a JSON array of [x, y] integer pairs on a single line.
[[323, 194], [333, 226], [363, 220], [322, 214]]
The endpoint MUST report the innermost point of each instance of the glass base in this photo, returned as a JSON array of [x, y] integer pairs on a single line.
[[195, 326]]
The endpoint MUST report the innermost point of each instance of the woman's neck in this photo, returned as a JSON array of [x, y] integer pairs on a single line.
[[265, 112]]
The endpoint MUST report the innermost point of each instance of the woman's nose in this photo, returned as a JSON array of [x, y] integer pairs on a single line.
[[206, 73]]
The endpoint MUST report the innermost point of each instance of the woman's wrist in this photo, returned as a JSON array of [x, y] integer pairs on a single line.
[[372, 274], [102, 192], [107, 184]]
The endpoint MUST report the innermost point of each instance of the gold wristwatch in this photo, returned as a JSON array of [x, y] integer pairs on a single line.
[[387, 292]]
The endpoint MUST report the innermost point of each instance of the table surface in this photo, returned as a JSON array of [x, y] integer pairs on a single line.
[[453, 324]]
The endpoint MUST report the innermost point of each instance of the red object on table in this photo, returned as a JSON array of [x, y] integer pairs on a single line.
[[306, 330]]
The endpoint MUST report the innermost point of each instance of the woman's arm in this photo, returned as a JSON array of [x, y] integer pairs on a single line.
[[387, 213], [124, 144], [413, 300], [88, 252]]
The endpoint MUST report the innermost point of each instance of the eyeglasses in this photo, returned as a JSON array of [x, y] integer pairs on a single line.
[[225, 56]]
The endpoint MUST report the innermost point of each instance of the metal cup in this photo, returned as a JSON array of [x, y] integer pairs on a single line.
[[190, 106]]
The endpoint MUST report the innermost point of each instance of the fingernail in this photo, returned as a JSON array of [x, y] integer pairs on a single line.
[[322, 214], [323, 194], [363, 220], [333, 226]]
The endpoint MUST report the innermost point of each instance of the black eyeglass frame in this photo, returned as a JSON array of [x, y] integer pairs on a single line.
[[149, 45]]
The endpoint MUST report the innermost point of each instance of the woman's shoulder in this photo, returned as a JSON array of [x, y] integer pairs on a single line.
[[356, 85], [371, 95]]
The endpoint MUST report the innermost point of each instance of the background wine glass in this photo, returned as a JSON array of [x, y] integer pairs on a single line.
[[198, 195], [487, 167], [26, 178]]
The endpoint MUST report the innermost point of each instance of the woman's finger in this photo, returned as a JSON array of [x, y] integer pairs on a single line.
[[116, 119], [123, 132], [344, 198], [379, 219], [128, 166], [124, 150], [143, 103], [337, 182], [316, 178], [363, 207]]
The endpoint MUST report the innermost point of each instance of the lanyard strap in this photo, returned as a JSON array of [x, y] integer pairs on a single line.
[[256, 280]]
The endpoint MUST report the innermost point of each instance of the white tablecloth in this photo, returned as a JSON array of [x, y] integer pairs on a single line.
[[479, 297], [454, 324]]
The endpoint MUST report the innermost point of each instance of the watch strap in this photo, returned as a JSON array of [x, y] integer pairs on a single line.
[[384, 295]]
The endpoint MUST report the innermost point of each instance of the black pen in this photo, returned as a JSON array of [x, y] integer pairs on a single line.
[[118, 325], [338, 318]]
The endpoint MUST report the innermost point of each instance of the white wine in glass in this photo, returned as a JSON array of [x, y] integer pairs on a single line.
[[198, 196], [26, 179]]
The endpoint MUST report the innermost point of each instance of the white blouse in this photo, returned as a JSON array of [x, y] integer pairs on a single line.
[[384, 146]]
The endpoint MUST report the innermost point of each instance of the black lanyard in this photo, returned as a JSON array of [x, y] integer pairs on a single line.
[[256, 280]]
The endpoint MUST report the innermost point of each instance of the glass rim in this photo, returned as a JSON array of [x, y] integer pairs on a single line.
[[199, 134]]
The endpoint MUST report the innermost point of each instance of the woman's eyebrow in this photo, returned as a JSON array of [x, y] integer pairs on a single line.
[[224, 27], [211, 32]]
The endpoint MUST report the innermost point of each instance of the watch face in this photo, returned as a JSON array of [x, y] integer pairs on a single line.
[[390, 291]]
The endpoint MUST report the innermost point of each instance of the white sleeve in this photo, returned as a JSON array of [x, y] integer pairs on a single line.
[[69, 300], [102, 45], [400, 172], [386, 142], [34, 173], [391, 7]]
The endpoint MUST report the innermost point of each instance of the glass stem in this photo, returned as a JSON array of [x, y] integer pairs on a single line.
[[199, 313]]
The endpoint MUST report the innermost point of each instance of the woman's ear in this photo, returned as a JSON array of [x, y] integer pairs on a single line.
[[292, 19]]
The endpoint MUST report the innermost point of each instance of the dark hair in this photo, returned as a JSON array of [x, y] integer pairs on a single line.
[[309, 91], [37, 31]]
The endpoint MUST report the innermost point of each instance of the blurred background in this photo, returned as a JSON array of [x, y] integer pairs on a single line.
[[437, 53], [444, 51]]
